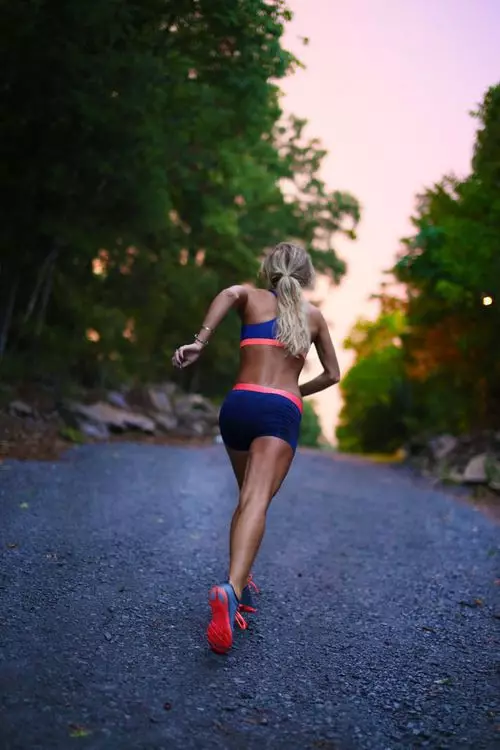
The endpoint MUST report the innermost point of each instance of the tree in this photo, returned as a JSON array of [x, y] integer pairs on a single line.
[[451, 266], [375, 393], [445, 375], [147, 167]]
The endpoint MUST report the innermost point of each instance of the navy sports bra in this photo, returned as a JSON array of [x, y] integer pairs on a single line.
[[260, 333]]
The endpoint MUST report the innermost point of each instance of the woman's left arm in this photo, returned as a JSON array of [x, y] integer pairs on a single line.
[[233, 296]]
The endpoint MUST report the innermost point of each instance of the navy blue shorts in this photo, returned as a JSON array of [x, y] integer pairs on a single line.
[[251, 411]]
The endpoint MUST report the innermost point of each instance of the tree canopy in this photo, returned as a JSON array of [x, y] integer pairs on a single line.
[[448, 355], [147, 163]]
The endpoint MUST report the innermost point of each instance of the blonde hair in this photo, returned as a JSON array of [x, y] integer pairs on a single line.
[[288, 269]]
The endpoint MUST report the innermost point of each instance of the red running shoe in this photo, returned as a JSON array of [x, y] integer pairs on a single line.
[[247, 601], [225, 614]]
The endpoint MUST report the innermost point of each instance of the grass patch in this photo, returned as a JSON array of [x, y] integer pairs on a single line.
[[72, 435]]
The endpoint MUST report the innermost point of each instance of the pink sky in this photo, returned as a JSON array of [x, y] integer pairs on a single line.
[[387, 88]]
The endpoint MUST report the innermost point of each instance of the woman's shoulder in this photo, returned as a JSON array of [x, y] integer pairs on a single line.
[[316, 319], [254, 294], [245, 297], [259, 304], [244, 288], [240, 292], [313, 311]]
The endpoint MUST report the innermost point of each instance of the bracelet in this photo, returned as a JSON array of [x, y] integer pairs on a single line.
[[200, 341]]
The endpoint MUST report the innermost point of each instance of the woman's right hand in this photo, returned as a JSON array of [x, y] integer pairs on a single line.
[[186, 355]]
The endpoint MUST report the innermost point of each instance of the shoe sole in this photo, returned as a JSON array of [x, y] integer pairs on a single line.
[[219, 631]]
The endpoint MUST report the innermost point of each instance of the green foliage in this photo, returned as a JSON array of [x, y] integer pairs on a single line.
[[147, 164], [374, 390], [72, 435], [445, 376], [453, 263], [310, 430]]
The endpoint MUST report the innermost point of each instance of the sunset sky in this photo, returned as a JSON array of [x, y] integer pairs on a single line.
[[387, 88]]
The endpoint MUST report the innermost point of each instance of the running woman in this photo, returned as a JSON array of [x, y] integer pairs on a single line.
[[260, 417]]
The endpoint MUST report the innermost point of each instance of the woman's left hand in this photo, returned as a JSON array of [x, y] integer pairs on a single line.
[[186, 355]]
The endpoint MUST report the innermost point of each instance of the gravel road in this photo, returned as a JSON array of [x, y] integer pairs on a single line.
[[378, 629]]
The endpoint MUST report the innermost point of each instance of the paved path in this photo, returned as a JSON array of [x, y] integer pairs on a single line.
[[377, 626]]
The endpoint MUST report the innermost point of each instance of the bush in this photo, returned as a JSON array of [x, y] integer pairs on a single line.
[[310, 431], [375, 402]]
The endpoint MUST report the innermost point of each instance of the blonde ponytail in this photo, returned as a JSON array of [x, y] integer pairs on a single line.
[[288, 269], [292, 325]]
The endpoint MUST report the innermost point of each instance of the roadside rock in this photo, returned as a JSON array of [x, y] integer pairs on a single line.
[[116, 420], [165, 422], [198, 407], [159, 408], [475, 471], [442, 445], [117, 399], [93, 430], [470, 459], [155, 398], [157, 412], [21, 409]]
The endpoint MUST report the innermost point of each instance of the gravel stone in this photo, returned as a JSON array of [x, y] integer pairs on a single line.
[[360, 643]]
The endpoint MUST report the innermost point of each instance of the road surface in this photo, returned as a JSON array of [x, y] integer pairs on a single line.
[[378, 626]]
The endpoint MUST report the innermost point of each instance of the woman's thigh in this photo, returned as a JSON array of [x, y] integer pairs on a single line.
[[239, 462], [268, 464]]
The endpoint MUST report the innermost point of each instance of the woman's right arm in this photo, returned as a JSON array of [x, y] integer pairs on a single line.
[[327, 357], [233, 296]]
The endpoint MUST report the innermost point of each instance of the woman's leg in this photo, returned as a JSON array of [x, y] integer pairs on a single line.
[[239, 462], [267, 466]]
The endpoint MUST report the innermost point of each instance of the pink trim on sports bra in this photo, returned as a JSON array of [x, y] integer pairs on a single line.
[[268, 342], [256, 342], [266, 389]]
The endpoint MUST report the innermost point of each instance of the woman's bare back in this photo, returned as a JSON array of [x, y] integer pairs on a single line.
[[269, 365]]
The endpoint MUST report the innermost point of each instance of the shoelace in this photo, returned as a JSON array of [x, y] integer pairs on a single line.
[[251, 584], [240, 621]]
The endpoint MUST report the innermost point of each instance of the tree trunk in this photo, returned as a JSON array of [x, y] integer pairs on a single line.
[[44, 269], [49, 278], [7, 317]]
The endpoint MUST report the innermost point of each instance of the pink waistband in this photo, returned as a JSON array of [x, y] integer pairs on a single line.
[[253, 342], [266, 389]]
